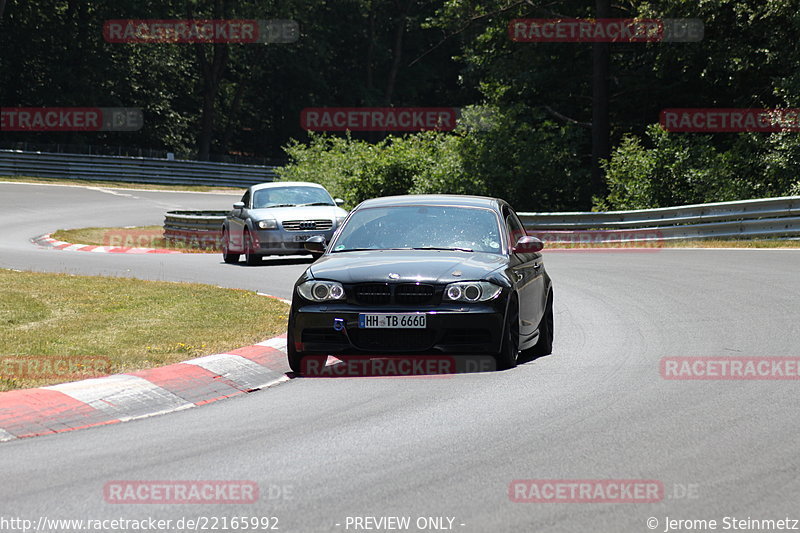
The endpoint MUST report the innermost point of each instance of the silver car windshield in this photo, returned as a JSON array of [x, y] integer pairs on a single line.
[[290, 196], [420, 227]]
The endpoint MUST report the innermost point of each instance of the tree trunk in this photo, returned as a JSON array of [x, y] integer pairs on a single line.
[[601, 136], [397, 53], [371, 48], [232, 113], [212, 76]]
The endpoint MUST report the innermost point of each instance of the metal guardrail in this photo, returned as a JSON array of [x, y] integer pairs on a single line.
[[132, 169], [770, 217], [197, 229], [135, 151], [205, 220]]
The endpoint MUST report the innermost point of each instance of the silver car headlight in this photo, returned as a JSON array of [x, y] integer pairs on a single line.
[[471, 291], [321, 291], [269, 223]]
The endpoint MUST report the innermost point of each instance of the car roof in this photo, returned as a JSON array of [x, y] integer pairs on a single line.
[[272, 184], [456, 200]]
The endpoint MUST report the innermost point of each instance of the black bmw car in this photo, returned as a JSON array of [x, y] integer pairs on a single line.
[[424, 274]]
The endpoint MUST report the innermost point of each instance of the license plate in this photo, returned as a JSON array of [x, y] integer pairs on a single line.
[[303, 238], [392, 320]]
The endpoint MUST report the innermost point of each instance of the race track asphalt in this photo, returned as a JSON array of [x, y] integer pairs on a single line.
[[597, 408], [32, 210]]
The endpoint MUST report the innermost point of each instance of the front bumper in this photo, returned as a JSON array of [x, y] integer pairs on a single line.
[[474, 329], [280, 241]]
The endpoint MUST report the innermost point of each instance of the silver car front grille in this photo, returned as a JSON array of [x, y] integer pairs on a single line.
[[307, 225]]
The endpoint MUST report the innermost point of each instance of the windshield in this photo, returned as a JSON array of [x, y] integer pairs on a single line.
[[291, 196], [420, 227]]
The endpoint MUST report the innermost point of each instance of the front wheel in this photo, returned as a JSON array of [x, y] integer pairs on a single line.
[[295, 359], [302, 364], [250, 255], [509, 352], [228, 256]]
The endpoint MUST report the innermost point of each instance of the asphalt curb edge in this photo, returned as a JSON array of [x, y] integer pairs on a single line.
[[129, 396]]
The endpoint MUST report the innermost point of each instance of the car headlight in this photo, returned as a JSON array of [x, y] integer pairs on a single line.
[[269, 223], [471, 291], [321, 291]]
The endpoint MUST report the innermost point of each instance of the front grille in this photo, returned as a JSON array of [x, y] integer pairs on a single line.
[[307, 225], [373, 293], [385, 293], [392, 339], [413, 293]]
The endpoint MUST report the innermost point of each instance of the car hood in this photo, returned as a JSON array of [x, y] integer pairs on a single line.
[[309, 212], [431, 266]]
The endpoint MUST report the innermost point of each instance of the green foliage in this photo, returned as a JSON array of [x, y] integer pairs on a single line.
[[533, 166], [52, 53], [356, 170], [747, 59], [532, 148], [529, 159], [686, 168]]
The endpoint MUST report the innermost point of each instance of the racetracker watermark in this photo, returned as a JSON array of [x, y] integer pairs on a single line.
[[605, 30], [601, 240], [397, 366], [731, 368], [71, 119], [727, 120], [378, 118], [206, 241], [69, 367], [191, 31], [46, 524], [586, 491], [181, 492]]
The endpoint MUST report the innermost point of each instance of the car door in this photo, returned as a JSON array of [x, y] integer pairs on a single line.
[[237, 223], [529, 274]]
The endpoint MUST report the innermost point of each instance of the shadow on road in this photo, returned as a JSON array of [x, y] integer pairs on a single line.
[[530, 358], [277, 261]]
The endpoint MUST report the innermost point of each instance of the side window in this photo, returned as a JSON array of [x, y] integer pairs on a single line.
[[246, 199], [514, 227]]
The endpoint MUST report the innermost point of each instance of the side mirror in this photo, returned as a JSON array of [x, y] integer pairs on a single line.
[[528, 245], [338, 201], [315, 244], [238, 205]]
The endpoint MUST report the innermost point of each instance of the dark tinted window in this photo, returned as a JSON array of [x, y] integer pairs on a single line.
[[514, 227]]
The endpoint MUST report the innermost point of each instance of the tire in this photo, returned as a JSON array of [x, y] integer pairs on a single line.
[[297, 359], [227, 255], [250, 257], [509, 351], [544, 346]]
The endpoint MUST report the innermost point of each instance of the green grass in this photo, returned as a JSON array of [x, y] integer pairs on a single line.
[[121, 324], [138, 237], [122, 184]]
